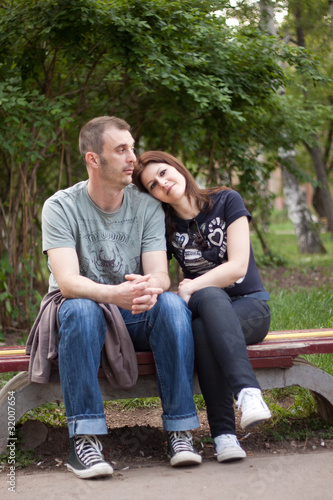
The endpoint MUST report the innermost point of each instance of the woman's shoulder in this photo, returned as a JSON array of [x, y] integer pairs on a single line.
[[225, 194], [228, 204]]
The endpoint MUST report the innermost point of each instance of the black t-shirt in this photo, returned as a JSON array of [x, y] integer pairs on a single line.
[[195, 260]]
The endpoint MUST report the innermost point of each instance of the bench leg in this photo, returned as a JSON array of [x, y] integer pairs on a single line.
[[26, 397], [303, 374]]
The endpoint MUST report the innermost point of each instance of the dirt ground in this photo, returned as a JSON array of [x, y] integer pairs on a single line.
[[136, 437], [282, 277]]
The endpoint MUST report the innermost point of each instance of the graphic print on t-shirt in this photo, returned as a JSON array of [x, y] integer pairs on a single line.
[[107, 256], [198, 260]]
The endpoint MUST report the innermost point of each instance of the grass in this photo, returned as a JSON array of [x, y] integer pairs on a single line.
[[301, 309]]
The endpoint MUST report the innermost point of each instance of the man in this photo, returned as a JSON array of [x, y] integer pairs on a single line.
[[105, 245]]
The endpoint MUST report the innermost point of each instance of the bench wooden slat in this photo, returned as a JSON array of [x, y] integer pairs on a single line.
[[14, 365], [272, 362], [277, 350], [8, 351], [288, 334], [291, 348]]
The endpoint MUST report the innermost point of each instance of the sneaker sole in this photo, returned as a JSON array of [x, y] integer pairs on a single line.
[[185, 458], [94, 471], [256, 419], [231, 455]]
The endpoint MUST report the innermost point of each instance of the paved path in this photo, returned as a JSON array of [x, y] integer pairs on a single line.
[[289, 477]]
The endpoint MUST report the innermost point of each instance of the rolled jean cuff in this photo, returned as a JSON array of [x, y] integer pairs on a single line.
[[180, 422], [91, 425]]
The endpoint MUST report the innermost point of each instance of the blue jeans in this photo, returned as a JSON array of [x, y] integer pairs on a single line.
[[165, 330], [222, 327]]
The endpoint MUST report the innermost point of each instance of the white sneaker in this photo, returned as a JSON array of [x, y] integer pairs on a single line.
[[228, 448], [254, 408]]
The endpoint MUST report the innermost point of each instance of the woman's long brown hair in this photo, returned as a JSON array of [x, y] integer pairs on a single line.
[[201, 197]]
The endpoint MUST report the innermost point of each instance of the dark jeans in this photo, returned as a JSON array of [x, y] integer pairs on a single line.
[[222, 327]]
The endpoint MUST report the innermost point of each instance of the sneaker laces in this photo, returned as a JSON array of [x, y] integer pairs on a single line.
[[181, 441], [88, 449]]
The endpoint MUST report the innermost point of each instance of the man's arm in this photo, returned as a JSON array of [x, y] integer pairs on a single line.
[[65, 267], [156, 264]]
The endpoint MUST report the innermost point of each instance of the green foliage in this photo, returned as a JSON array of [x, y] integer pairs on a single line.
[[184, 80], [134, 403], [5, 295], [18, 313], [52, 414], [172, 69], [297, 421], [23, 458]]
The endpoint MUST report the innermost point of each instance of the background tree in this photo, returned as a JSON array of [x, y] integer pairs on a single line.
[[309, 23], [183, 79], [307, 103], [307, 236]]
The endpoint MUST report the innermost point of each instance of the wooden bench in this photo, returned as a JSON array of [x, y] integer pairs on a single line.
[[276, 361]]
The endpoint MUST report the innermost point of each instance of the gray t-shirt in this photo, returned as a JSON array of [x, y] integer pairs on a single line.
[[108, 245]]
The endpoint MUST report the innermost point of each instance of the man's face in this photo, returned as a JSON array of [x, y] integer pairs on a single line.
[[116, 162]]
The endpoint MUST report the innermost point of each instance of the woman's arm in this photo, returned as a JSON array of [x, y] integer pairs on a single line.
[[238, 249]]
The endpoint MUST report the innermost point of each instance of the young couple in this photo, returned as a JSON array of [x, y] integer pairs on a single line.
[[105, 242]]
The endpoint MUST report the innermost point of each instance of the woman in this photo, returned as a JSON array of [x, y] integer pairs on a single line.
[[208, 233]]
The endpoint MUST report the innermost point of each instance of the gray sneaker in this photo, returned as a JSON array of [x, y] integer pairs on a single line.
[[228, 448], [181, 450], [86, 459]]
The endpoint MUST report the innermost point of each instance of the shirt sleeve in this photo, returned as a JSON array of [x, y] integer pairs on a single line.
[[56, 229], [154, 228], [235, 208]]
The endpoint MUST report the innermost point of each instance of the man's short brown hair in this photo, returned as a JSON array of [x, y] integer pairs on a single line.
[[91, 134]]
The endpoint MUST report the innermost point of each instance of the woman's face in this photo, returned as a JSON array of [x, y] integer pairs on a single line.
[[164, 182]]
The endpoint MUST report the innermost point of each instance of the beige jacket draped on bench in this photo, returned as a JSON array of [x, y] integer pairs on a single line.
[[118, 358]]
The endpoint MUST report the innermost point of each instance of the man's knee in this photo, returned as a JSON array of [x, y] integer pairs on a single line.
[[85, 314], [171, 304]]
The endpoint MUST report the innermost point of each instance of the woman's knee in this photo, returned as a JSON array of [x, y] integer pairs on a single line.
[[208, 296], [256, 328], [256, 325]]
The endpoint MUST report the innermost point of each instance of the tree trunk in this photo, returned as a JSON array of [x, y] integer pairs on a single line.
[[323, 195], [267, 22], [323, 192], [298, 212], [330, 3], [307, 237]]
